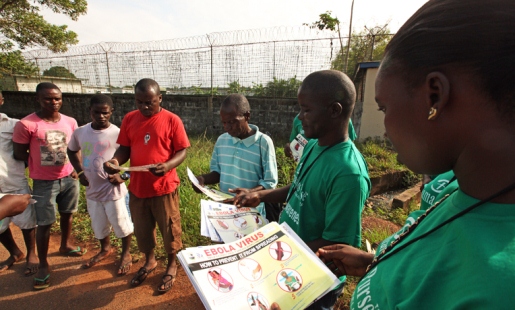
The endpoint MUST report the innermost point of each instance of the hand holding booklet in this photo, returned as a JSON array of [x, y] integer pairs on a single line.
[[214, 194], [269, 265]]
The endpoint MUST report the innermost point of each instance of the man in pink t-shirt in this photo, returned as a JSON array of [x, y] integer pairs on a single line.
[[41, 139], [153, 136]]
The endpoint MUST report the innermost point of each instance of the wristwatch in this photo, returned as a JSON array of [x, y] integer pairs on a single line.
[[125, 176]]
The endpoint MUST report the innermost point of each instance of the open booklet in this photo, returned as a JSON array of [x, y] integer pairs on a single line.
[[214, 194], [226, 223], [297, 147], [269, 265], [132, 168]]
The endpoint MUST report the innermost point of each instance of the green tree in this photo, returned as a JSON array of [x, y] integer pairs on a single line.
[[12, 62], [59, 72], [367, 45], [328, 22], [21, 24]]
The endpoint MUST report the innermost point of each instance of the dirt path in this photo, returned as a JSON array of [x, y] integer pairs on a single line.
[[95, 288]]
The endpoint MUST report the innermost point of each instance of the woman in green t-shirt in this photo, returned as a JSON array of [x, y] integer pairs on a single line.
[[446, 87]]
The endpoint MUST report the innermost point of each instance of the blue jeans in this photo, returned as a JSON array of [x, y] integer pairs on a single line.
[[62, 192]]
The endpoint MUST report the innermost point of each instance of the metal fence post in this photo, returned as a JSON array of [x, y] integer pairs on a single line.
[[108, 74]]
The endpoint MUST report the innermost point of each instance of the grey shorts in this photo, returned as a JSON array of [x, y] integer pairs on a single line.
[[48, 193]]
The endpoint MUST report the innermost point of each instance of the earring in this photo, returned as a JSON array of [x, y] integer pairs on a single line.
[[432, 113]]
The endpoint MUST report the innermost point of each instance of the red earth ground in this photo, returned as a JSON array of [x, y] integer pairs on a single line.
[[99, 287], [96, 288]]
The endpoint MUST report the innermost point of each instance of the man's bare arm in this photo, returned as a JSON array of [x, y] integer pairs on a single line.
[[75, 160], [11, 205], [20, 151]]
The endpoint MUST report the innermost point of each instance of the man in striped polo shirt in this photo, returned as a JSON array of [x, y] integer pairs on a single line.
[[243, 158]]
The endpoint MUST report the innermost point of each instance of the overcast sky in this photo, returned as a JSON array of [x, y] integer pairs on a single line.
[[150, 20]]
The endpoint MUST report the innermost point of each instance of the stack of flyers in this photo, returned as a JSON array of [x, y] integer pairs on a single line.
[[226, 223]]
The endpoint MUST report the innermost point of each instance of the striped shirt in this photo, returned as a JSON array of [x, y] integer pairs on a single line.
[[245, 163]]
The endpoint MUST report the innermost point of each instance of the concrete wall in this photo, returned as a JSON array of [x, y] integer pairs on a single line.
[[371, 124], [199, 113], [17, 82]]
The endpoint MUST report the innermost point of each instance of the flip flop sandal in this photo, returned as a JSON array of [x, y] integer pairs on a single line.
[[141, 276], [125, 268], [40, 284], [166, 284], [77, 252], [30, 270], [92, 262]]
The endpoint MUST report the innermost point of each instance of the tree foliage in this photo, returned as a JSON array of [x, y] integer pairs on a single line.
[[367, 45], [328, 22], [12, 62], [278, 88], [59, 72], [22, 25], [235, 87]]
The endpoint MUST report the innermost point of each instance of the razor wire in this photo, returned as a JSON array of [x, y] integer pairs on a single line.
[[249, 57]]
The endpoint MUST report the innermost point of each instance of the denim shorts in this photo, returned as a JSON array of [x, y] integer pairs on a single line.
[[48, 193]]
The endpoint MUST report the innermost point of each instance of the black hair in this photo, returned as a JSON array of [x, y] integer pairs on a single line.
[[46, 85], [475, 35], [238, 101], [331, 86], [101, 99], [147, 84]]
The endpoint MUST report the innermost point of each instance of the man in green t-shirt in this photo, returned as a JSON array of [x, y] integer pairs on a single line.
[[331, 183]]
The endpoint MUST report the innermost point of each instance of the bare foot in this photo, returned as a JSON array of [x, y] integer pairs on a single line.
[[6, 264], [97, 259]]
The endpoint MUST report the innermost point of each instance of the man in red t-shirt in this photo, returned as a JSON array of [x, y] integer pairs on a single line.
[[153, 136]]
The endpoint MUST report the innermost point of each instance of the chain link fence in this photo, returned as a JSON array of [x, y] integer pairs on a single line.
[[209, 64]]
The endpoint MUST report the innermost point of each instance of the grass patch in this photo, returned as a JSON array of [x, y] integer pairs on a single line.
[[380, 157], [374, 236]]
